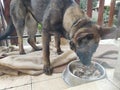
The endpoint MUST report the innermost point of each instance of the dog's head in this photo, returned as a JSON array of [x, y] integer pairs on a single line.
[[85, 40]]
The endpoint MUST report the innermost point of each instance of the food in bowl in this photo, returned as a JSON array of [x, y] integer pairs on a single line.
[[76, 73], [85, 72]]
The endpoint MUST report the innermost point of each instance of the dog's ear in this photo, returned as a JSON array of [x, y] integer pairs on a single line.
[[80, 22], [88, 36], [107, 32]]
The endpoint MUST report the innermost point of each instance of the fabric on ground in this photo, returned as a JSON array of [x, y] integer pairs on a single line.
[[11, 63]]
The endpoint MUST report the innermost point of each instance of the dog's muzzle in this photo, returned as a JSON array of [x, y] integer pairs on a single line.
[[85, 57]]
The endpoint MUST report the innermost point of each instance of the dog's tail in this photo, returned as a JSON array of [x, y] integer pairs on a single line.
[[10, 28]]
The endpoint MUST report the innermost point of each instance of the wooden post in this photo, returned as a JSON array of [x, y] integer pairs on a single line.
[[89, 8], [2, 23], [112, 8], [77, 1], [7, 17], [0, 32], [6, 9], [100, 12]]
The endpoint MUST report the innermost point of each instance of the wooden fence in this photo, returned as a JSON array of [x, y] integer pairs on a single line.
[[101, 11], [89, 13]]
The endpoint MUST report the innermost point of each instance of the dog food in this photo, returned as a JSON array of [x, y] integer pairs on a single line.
[[86, 72]]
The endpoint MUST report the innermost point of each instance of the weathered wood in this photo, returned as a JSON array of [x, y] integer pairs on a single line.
[[111, 15], [7, 17], [2, 23], [78, 1], [89, 8], [100, 12]]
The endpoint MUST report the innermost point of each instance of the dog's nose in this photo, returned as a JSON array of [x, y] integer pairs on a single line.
[[84, 58], [85, 61]]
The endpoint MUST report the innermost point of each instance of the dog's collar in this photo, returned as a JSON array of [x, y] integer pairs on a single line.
[[82, 23]]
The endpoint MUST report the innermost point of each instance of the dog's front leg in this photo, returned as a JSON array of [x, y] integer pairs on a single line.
[[46, 52], [57, 44]]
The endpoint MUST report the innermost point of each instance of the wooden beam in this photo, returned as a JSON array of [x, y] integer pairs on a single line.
[[7, 17], [89, 8], [100, 12], [111, 15], [77, 1], [2, 26]]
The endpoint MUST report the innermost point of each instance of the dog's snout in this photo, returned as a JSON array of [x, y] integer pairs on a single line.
[[85, 58]]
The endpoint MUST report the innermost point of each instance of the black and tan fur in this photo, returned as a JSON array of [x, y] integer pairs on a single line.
[[65, 18], [21, 18]]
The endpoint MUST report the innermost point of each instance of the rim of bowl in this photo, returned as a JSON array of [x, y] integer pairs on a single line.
[[101, 76]]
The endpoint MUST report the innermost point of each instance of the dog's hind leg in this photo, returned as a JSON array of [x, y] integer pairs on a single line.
[[57, 43], [31, 27], [18, 13], [20, 29]]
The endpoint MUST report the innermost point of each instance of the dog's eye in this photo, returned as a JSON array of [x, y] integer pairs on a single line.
[[83, 41], [72, 45], [90, 36], [80, 41]]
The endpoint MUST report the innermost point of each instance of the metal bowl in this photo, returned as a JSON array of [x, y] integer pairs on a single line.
[[73, 80]]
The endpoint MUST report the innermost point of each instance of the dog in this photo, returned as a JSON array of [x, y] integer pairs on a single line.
[[64, 18], [22, 19]]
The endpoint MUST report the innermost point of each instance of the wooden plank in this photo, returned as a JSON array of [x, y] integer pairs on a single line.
[[78, 1], [7, 17], [89, 8], [2, 24], [111, 15], [100, 12]]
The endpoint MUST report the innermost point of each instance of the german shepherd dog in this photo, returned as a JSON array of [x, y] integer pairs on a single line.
[[21, 19], [66, 19], [63, 18]]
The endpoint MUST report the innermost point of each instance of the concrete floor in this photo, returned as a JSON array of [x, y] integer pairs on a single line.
[[55, 82]]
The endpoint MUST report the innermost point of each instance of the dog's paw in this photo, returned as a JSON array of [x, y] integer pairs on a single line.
[[38, 49], [48, 70], [3, 56], [59, 52], [22, 53]]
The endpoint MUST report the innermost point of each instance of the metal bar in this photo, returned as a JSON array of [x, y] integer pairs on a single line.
[[13, 37]]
